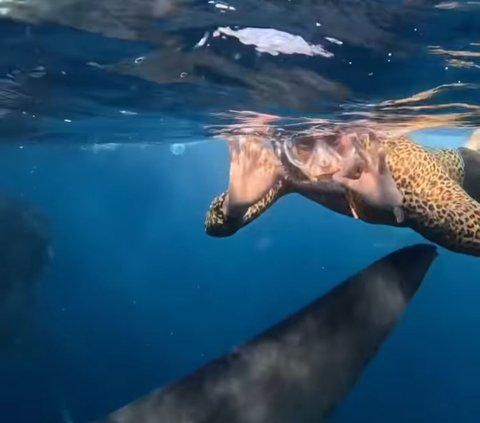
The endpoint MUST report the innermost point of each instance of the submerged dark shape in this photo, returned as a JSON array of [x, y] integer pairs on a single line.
[[300, 369], [182, 47], [24, 252], [369, 23], [291, 87]]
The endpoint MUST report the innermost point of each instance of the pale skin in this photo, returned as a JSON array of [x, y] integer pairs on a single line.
[[375, 183], [255, 168], [328, 155]]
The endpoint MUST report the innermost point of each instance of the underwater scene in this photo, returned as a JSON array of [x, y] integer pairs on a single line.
[[239, 211]]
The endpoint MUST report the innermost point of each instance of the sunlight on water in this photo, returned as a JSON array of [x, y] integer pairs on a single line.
[[141, 141], [389, 62]]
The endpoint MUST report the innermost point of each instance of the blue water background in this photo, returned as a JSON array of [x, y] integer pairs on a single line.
[[137, 295]]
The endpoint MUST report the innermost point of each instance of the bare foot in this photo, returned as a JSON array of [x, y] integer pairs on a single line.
[[254, 169], [375, 183]]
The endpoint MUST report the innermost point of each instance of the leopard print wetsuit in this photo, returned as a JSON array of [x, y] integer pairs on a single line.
[[434, 201]]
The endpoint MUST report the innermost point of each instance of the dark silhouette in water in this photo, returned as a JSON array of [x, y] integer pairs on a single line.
[[184, 50], [24, 251], [300, 369]]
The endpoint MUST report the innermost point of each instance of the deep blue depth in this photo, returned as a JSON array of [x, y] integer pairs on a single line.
[[137, 295]]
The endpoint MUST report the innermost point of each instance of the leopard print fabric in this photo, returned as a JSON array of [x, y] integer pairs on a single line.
[[435, 204], [430, 180], [218, 224], [451, 161]]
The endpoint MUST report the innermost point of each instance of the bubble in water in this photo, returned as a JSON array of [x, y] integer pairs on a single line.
[[177, 149]]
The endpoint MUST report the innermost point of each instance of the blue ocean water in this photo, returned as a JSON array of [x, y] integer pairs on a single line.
[[138, 296], [135, 294]]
